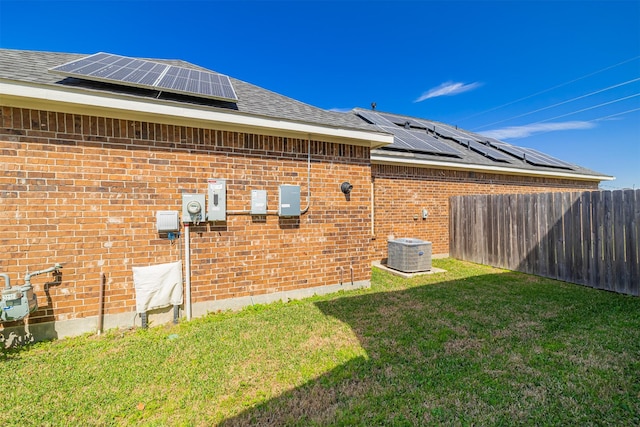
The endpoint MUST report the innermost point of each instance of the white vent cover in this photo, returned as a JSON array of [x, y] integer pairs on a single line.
[[167, 221]]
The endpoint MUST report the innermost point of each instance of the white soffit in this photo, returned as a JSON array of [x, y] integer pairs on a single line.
[[394, 160], [128, 107]]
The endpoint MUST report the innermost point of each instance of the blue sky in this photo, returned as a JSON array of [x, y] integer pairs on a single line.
[[562, 77]]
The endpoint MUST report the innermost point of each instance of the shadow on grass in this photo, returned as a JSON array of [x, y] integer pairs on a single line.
[[486, 350]]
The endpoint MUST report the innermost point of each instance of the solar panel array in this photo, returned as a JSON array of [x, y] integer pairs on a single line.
[[407, 139], [494, 149], [469, 141], [108, 68], [531, 156]]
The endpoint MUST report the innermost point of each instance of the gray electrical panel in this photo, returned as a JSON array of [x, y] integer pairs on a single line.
[[289, 201], [217, 207], [258, 202]]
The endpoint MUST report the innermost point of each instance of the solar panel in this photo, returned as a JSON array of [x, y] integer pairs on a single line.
[[402, 121], [375, 118], [486, 151], [471, 141], [141, 73], [419, 141], [508, 148], [408, 139], [530, 155], [537, 158]]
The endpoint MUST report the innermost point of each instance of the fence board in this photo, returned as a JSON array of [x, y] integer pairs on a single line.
[[577, 240], [597, 211], [608, 241], [558, 209], [627, 214], [543, 245], [530, 220], [488, 224], [551, 237], [513, 232], [635, 244], [618, 276], [589, 238], [501, 231]]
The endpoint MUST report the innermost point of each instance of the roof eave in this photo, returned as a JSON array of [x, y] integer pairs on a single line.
[[78, 101], [377, 158]]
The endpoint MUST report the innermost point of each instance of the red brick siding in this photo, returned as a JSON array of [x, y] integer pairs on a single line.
[[402, 192], [85, 191]]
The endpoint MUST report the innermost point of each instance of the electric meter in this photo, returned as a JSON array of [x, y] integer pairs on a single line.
[[193, 208]]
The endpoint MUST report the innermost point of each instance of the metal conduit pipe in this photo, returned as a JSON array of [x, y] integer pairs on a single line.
[[103, 280], [28, 276], [187, 271], [7, 282]]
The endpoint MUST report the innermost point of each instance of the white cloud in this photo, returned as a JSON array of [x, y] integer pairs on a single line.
[[447, 89], [514, 132]]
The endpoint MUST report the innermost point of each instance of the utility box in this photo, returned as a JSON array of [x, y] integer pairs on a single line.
[[217, 208], [167, 221], [289, 200], [258, 202], [409, 255]]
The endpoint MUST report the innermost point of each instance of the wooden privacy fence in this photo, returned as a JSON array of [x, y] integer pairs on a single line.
[[589, 238]]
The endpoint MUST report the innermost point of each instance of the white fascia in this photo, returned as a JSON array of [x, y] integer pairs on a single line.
[[69, 100], [377, 158]]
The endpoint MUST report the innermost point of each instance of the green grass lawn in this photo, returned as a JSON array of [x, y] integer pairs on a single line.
[[473, 346]]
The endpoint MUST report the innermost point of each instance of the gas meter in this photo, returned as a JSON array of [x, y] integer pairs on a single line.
[[19, 301]]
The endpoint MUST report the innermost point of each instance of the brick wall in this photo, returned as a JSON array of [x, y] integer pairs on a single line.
[[402, 192], [85, 190]]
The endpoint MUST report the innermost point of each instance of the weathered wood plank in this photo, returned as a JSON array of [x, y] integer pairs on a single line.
[[468, 210], [456, 246], [628, 199], [607, 237], [552, 221], [479, 229], [619, 284], [543, 235], [587, 235], [489, 231], [567, 220], [513, 231], [558, 207], [577, 240], [499, 199], [530, 219], [455, 240], [597, 213], [519, 230], [635, 239]]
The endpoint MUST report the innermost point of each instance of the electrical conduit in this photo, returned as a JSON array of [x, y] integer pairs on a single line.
[[187, 271]]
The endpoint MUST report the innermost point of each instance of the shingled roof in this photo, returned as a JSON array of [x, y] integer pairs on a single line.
[[424, 142], [32, 68]]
